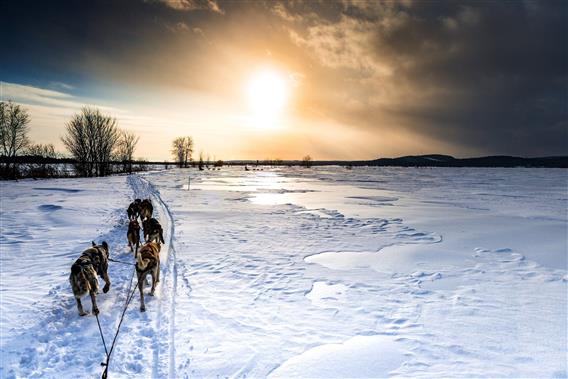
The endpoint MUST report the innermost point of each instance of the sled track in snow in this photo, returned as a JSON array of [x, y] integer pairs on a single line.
[[165, 323]]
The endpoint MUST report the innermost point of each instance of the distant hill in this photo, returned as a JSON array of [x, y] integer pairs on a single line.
[[430, 160], [437, 160]]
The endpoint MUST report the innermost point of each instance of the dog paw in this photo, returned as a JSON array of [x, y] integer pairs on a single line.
[[106, 288], [142, 309], [151, 293], [96, 311], [83, 314]]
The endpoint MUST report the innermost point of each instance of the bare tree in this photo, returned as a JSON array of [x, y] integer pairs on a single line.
[[177, 151], [14, 129], [182, 149], [92, 138], [307, 161], [125, 149], [201, 161], [41, 150], [188, 150]]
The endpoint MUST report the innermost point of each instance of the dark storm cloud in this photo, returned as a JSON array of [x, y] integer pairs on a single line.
[[489, 75], [97, 40]]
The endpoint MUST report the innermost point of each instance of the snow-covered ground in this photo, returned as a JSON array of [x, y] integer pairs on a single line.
[[323, 272]]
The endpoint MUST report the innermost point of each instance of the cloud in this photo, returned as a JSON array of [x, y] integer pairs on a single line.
[[345, 44], [193, 5], [480, 76], [30, 95], [62, 86], [178, 27], [469, 16], [36, 96]]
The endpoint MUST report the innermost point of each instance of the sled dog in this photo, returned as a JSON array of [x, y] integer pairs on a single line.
[[83, 277], [153, 231], [133, 236], [146, 209], [148, 262], [133, 210]]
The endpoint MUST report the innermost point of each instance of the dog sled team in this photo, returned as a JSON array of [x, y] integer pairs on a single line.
[[94, 261]]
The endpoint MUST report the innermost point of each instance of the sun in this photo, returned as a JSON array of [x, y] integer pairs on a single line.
[[267, 96]]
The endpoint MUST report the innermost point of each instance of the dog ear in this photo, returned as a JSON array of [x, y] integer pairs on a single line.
[[94, 244], [105, 245]]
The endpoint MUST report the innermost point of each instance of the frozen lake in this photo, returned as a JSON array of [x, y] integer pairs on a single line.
[[290, 272]]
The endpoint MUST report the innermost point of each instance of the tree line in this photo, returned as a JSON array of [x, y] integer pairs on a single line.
[[93, 139]]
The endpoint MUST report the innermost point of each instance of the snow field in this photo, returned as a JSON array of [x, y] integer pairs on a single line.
[[370, 272]]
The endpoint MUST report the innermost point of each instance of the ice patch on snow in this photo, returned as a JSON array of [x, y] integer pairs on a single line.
[[389, 259], [358, 357]]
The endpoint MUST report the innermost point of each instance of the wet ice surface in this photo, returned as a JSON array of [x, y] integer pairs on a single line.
[[326, 272]]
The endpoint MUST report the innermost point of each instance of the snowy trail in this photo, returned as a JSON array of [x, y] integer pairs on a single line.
[[150, 335], [59, 343]]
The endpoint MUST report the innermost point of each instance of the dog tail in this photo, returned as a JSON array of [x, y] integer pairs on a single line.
[[141, 264]]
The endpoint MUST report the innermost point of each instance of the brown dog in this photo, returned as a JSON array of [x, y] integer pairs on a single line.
[[148, 262], [133, 236], [83, 278], [146, 209]]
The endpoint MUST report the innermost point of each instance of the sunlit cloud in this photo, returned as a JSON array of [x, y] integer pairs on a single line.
[[193, 5]]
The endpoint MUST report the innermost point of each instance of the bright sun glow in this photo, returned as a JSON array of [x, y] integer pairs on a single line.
[[267, 95]]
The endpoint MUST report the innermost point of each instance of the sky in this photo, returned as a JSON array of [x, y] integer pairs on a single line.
[[268, 79]]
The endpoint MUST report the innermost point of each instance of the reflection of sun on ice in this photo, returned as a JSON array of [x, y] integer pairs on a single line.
[[267, 94]]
